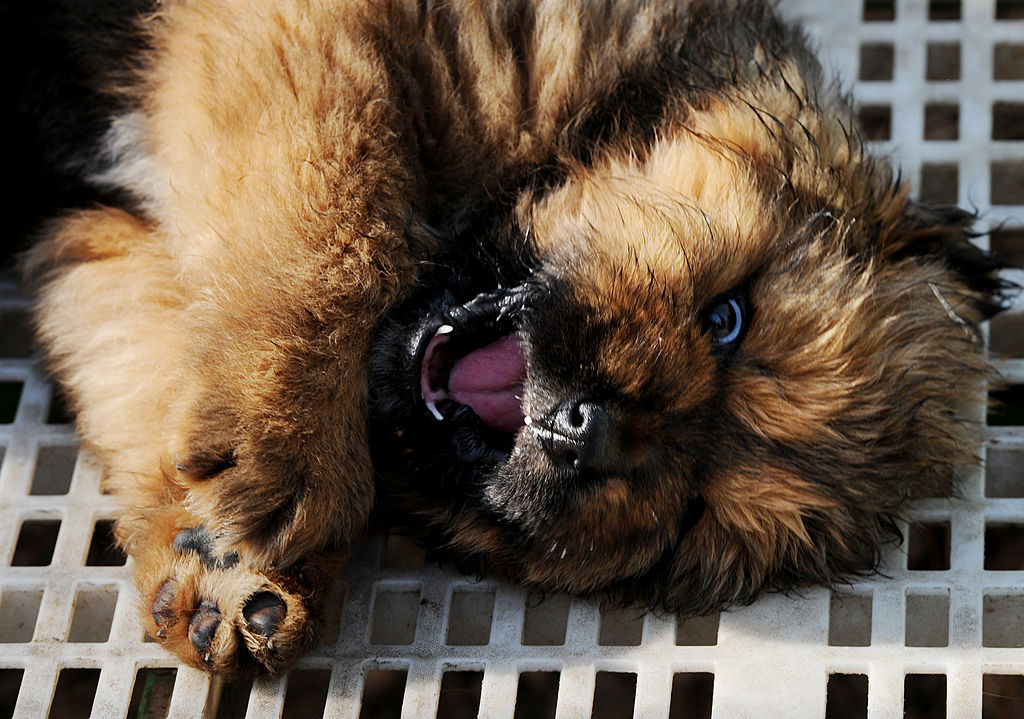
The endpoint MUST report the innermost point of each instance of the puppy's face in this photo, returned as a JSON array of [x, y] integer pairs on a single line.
[[693, 373]]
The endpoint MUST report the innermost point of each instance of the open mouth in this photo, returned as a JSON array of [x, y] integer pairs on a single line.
[[473, 358]]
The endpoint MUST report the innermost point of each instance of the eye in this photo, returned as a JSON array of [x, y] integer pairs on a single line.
[[726, 320]]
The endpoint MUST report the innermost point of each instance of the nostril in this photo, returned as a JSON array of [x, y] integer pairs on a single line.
[[579, 434], [579, 419], [576, 416]]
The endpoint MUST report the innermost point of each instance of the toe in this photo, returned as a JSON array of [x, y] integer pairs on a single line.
[[203, 626], [162, 609], [264, 613]]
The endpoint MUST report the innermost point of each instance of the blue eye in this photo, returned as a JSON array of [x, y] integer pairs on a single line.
[[726, 320]]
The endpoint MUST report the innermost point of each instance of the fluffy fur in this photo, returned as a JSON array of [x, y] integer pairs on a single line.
[[316, 188]]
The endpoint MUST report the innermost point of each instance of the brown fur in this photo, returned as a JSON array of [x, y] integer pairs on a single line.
[[293, 166]]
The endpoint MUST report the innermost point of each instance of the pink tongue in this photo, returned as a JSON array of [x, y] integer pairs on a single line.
[[490, 381]]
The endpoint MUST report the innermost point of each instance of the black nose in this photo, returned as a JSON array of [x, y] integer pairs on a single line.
[[577, 435]]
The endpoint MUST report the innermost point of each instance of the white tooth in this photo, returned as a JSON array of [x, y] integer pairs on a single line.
[[433, 410], [527, 420], [444, 329]]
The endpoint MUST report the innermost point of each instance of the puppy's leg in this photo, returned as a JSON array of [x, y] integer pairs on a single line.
[[112, 312]]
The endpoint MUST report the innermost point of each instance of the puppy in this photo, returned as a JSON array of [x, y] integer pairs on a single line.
[[613, 290]]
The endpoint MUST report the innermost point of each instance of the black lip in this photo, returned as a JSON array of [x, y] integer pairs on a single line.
[[476, 323]]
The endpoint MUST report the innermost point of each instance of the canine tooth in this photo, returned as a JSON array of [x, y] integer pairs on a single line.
[[434, 411], [444, 329], [527, 420]]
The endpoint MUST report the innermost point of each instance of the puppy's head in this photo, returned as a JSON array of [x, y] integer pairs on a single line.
[[692, 371]]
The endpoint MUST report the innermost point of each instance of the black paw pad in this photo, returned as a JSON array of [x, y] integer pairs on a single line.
[[163, 609], [198, 540], [203, 625], [264, 613]]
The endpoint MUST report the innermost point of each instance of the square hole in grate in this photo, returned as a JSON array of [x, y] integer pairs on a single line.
[[93, 614], [942, 63], [10, 685], [1008, 61], [940, 182], [394, 617], [1007, 180], [36, 542], [1002, 623], [876, 61], [927, 620], [1009, 9], [306, 695], [692, 695], [1006, 407], [401, 552], [876, 121], [1002, 472], [849, 620], [469, 618], [19, 609], [1004, 547], [697, 631], [1002, 696], [1008, 121], [1006, 334], [545, 619], [879, 10], [75, 692], [620, 627], [16, 337], [231, 702], [941, 121], [103, 550], [460, 694], [151, 693], [614, 695], [10, 396], [928, 546], [537, 695], [58, 412], [846, 696], [943, 9], [54, 467], [924, 696], [383, 694]]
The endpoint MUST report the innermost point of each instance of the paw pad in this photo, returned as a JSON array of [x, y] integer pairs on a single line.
[[163, 605], [264, 613], [200, 541], [203, 625]]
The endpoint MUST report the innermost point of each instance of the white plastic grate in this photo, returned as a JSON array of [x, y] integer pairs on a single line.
[[941, 83]]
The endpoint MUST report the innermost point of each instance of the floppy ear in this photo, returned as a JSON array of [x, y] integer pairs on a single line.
[[943, 233]]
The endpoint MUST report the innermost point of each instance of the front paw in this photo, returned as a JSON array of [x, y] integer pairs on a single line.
[[273, 495], [217, 613]]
